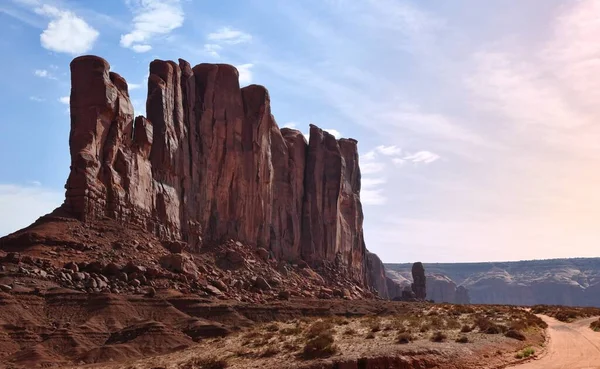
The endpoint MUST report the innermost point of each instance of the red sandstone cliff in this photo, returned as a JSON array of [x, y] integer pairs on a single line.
[[209, 163]]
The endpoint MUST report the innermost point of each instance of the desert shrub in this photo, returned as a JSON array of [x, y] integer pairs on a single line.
[[350, 331], [462, 339], [438, 337], [527, 352], [466, 328], [436, 322], [404, 338], [321, 345], [595, 325], [424, 328], [270, 350], [273, 327], [452, 323], [375, 326], [211, 362], [370, 336], [512, 333], [487, 326], [291, 331], [317, 328]]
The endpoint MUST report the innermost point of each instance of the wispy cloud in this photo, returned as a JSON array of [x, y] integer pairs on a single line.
[[65, 100], [212, 49], [66, 32], [43, 73], [36, 98], [228, 35], [245, 72], [425, 157], [152, 18]]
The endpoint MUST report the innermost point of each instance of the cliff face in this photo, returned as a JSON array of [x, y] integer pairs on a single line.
[[209, 163], [554, 282]]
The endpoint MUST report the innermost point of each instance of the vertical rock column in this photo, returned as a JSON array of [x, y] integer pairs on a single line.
[[170, 150], [108, 172]]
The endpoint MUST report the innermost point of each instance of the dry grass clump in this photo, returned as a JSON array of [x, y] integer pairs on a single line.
[[270, 350], [404, 338], [512, 333], [438, 337], [318, 327], [462, 339], [349, 331], [595, 325], [320, 340], [273, 327], [321, 345], [527, 352], [211, 362], [370, 336], [565, 313], [485, 325], [466, 328]]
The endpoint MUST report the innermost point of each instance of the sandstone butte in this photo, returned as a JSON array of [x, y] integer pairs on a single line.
[[209, 163]]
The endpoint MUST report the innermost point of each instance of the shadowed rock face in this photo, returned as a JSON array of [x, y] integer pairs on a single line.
[[419, 281], [209, 163]]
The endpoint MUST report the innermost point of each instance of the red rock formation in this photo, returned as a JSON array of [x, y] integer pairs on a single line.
[[376, 276], [419, 281], [210, 163]]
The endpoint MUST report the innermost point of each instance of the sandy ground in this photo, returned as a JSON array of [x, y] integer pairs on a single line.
[[571, 346]]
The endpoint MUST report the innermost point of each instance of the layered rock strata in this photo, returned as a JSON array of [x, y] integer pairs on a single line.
[[209, 163]]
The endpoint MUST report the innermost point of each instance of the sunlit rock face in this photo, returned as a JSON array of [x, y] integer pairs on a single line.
[[209, 163]]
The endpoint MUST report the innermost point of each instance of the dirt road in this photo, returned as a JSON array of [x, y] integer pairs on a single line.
[[572, 346]]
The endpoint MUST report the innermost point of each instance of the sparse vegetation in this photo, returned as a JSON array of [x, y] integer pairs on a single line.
[[319, 346], [466, 328], [438, 337], [211, 362], [595, 325], [270, 350], [566, 313], [273, 327], [462, 339], [370, 336], [317, 328], [404, 338], [525, 353], [512, 333], [350, 331], [485, 325]]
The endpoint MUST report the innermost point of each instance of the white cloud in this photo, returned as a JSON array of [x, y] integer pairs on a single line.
[[134, 86], [43, 73], [245, 73], [22, 204], [66, 32], [290, 125], [425, 157], [141, 48], [228, 35], [36, 99], [152, 18], [388, 150], [334, 132], [372, 197], [398, 162], [212, 49], [65, 100], [369, 167]]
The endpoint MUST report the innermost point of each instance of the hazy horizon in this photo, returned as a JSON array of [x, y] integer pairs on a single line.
[[477, 124]]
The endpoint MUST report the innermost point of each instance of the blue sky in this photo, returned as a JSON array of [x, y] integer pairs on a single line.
[[477, 121]]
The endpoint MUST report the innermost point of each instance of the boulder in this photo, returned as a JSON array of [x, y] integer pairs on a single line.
[[179, 263]]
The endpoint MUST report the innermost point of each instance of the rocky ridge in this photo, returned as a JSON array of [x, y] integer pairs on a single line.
[[207, 171]]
